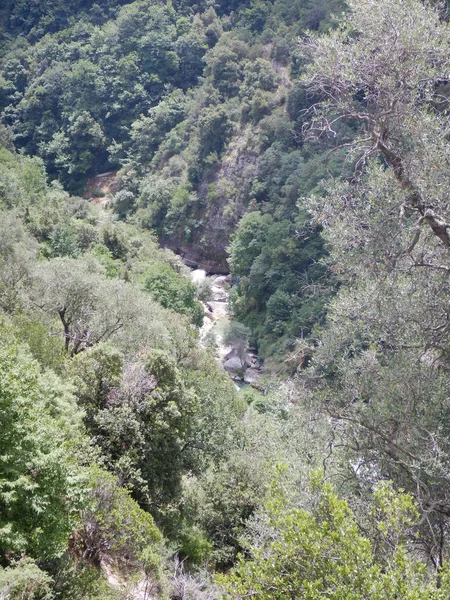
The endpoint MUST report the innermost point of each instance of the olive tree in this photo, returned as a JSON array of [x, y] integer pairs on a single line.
[[380, 366], [85, 308], [385, 68]]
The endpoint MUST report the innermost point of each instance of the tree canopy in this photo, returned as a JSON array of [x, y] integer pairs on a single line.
[[299, 148]]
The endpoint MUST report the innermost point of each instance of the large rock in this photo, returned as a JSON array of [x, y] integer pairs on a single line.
[[251, 376], [234, 364], [219, 294], [222, 280]]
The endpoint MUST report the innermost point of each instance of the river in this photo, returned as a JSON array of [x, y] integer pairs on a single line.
[[243, 371]]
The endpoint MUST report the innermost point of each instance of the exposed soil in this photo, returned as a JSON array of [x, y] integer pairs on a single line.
[[100, 188]]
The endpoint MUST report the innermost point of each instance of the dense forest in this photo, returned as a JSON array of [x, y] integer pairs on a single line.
[[299, 148]]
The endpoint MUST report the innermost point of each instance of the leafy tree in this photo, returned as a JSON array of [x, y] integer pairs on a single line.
[[384, 74], [220, 408], [124, 203], [149, 131], [250, 236], [224, 64], [321, 553], [42, 17], [283, 288], [41, 486], [17, 252], [89, 307], [155, 197], [218, 505], [237, 336], [24, 580], [255, 16], [191, 48], [174, 291], [115, 241], [113, 525], [145, 429], [384, 352], [63, 241], [73, 151], [215, 128], [95, 374]]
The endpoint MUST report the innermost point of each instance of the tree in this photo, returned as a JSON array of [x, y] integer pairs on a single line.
[[17, 251], [248, 242], [383, 68], [148, 132], [24, 581], [89, 307], [224, 64], [145, 429], [237, 336], [41, 485], [214, 130], [283, 287], [95, 374], [380, 365], [114, 526], [174, 291], [321, 553]]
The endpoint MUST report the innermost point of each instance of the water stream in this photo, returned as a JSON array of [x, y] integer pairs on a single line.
[[216, 321]]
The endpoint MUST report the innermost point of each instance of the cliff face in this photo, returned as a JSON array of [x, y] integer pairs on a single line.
[[223, 199], [197, 162], [212, 258]]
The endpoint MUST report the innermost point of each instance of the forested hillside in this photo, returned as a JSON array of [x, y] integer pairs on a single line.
[[300, 148], [201, 109]]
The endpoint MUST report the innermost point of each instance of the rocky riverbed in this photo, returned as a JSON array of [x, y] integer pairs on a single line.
[[243, 369]]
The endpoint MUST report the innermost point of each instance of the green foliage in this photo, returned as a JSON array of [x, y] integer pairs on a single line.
[[114, 240], [80, 581], [46, 349], [84, 307], [248, 242], [92, 77], [174, 291], [382, 355], [156, 195], [17, 252], [224, 64], [63, 242], [205, 110], [40, 423], [220, 503], [119, 91], [255, 17], [281, 289], [144, 427], [194, 547], [149, 131], [322, 554], [124, 203], [237, 336], [220, 408], [95, 374], [42, 17], [24, 580], [114, 525], [215, 128]]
